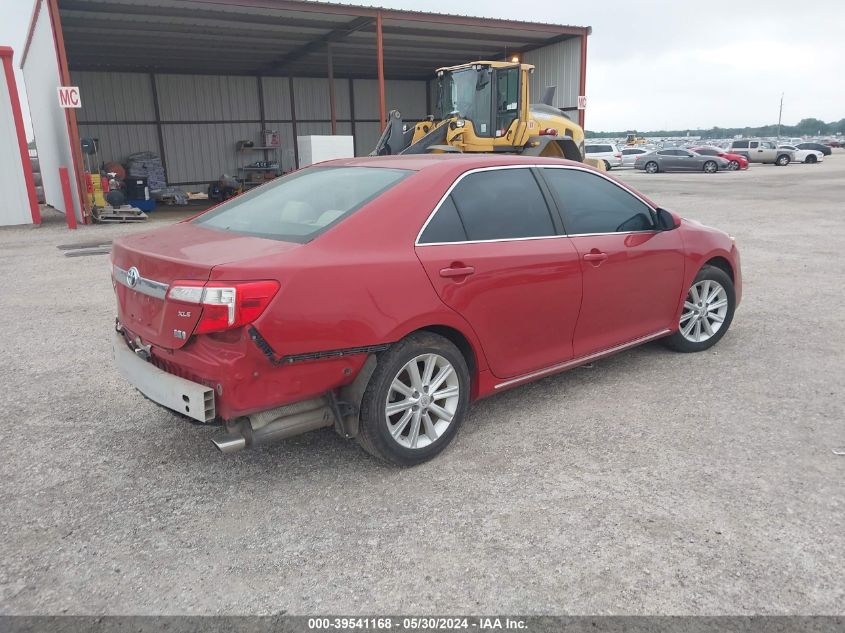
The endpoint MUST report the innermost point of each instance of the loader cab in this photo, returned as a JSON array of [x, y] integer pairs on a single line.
[[488, 95]]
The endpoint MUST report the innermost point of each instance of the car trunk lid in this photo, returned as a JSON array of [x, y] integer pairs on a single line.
[[146, 265]]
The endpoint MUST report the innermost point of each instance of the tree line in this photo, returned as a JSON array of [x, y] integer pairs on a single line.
[[805, 127]]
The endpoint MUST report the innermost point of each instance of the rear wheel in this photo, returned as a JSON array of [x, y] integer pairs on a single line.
[[708, 311], [782, 160], [415, 401], [710, 167], [651, 167]]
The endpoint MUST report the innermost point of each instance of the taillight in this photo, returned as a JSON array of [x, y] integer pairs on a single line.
[[225, 305], [618, 155], [549, 131]]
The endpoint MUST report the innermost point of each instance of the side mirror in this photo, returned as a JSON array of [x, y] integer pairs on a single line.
[[665, 220]]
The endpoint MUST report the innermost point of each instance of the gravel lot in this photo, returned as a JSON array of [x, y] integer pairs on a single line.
[[651, 482]]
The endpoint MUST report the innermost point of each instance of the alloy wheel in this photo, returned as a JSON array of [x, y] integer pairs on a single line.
[[710, 167], [422, 400], [733, 166], [651, 168], [705, 310]]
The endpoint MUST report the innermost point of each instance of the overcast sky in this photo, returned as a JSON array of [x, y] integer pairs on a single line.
[[655, 64]]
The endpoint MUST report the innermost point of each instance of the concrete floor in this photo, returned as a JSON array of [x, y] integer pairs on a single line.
[[651, 483]]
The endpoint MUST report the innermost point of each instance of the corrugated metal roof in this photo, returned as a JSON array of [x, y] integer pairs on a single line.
[[284, 37]]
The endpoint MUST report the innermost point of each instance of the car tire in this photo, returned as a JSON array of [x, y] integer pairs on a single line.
[[401, 434], [710, 167], [652, 167], [704, 320], [734, 165], [607, 166], [782, 160], [810, 159]]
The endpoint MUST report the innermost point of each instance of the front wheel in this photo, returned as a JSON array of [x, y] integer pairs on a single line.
[[810, 159], [733, 165], [708, 311], [651, 167], [782, 160], [415, 401], [710, 167], [606, 165]]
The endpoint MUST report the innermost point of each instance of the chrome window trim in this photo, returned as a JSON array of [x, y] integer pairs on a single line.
[[542, 237], [145, 286]]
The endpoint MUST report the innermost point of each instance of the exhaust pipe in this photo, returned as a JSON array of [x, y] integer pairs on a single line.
[[230, 443], [276, 424]]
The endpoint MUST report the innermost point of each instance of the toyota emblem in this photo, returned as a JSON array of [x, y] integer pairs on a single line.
[[132, 277]]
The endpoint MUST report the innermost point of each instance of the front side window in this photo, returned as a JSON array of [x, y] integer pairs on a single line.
[[299, 207], [593, 204], [467, 93], [502, 204]]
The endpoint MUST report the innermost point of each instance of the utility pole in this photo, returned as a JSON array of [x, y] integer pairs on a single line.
[[780, 114]]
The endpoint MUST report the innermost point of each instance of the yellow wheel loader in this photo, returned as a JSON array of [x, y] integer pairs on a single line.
[[486, 107]]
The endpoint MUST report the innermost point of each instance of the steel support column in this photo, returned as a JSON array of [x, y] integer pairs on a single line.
[[382, 110], [333, 112], [582, 88]]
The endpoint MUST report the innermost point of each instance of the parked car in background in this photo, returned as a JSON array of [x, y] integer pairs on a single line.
[[630, 154], [676, 159], [735, 161], [804, 155], [818, 147], [833, 143], [310, 303], [760, 151], [607, 152]]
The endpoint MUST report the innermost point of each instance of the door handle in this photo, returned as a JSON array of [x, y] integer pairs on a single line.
[[457, 271], [595, 256]]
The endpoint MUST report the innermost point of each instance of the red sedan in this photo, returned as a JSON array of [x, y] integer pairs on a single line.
[[383, 295], [737, 161]]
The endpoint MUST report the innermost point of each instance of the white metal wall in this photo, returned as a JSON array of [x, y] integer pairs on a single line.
[[49, 123], [558, 65], [203, 117], [14, 204]]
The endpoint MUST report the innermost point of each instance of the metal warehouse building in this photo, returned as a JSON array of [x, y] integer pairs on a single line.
[[189, 79]]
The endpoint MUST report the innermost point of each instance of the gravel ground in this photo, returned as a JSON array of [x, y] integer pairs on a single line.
[[650, 483]]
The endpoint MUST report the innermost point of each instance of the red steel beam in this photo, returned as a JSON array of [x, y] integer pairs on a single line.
[[70, 214], [70, 114], [382, 110], [6, 54]]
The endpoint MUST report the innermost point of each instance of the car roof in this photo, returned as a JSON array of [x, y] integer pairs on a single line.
[[449, 162]]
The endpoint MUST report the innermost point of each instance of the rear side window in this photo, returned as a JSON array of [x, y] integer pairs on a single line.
[[299, 207], [598, 149], [592, 204], [502, 204], [445, 226], [740, 145], [629, 152]]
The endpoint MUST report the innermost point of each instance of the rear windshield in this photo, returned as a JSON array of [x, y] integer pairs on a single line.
[[596, 149], [297, 208]]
